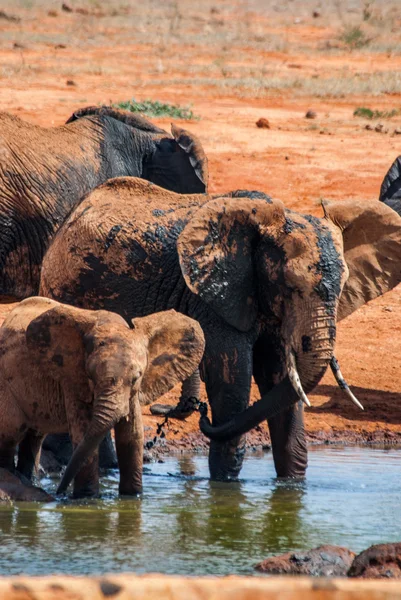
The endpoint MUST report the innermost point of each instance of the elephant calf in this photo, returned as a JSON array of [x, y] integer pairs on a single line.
[[69, 369]]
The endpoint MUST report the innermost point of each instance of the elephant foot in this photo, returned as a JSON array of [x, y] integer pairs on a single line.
[[225, 459], [133, 487], [86, 489]]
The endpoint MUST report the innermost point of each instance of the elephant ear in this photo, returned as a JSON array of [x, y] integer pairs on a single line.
[[192, 146], [178, 164], [216, 252], [372, 250], [391, 186], [175, 345], [55, 340]]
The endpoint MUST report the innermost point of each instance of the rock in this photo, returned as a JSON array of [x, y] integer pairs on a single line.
[[263, 123], [52, 13], [369, 127], [66, 7], [324, 561], [310, 114], [13, 487], [380, 561], [316, 14], [397, 131], [70, 82], [380, 128]]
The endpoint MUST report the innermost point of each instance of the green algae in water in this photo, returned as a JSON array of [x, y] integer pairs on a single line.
[[189, 525]]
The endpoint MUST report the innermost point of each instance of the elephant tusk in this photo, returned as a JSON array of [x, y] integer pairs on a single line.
[[335, 367], [295, 380]]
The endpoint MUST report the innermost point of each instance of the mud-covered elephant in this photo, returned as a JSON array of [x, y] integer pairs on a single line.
[[45, 172], [266, 284], [67, 369]]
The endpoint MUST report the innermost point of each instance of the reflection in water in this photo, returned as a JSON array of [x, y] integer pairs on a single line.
[[187, 524], [281, 522]]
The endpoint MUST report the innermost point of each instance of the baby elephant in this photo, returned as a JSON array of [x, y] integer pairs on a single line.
[[68, 369]]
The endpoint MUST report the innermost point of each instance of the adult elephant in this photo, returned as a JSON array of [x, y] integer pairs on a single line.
[[265, 283], [45, 172]]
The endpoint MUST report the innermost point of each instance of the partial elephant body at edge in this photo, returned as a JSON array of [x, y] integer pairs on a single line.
[[45, 173]]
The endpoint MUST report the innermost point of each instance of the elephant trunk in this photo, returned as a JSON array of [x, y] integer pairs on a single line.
[[311, 349], [107, 412], [308, 356], [282, 396]]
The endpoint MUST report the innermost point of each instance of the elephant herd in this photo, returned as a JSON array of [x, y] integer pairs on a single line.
[[131, 276]]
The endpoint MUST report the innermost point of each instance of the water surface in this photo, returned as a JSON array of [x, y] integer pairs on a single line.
[[188, 525]]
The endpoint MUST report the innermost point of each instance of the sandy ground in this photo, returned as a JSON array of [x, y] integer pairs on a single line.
[[236, 62]]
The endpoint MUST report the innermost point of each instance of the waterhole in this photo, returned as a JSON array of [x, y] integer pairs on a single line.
[[186, 524]]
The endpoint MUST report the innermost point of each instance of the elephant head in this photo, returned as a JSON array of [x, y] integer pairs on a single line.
[[177, 163], [96, 357], [246, 257]]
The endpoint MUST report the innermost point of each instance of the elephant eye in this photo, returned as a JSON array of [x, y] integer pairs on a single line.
[[136, 377], [102, 343]]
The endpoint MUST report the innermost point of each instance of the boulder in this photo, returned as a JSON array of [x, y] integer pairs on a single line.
[[380, 561], [324, 561], [12, 487]]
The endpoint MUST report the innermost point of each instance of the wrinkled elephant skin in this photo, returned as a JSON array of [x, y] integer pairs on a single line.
[[266, 284], [69, 369]]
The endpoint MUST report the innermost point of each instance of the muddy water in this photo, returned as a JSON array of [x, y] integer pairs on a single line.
[[186, 524]]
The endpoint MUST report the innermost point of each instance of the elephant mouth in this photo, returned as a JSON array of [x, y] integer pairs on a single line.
[[296, 383]]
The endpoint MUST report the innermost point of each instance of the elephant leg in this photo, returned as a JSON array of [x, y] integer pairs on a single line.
[[190, 388], [86, 482], [29, 454], [7, 454], [129, 444], [227, 372], [13, 430], [287, 432], [107, 453]]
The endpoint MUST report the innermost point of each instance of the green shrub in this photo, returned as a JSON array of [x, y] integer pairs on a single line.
[[354, 37], [368, 113], [154, 108]]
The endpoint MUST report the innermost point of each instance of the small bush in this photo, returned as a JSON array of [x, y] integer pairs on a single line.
[[354, 37], [368, 113], [154, 108]]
